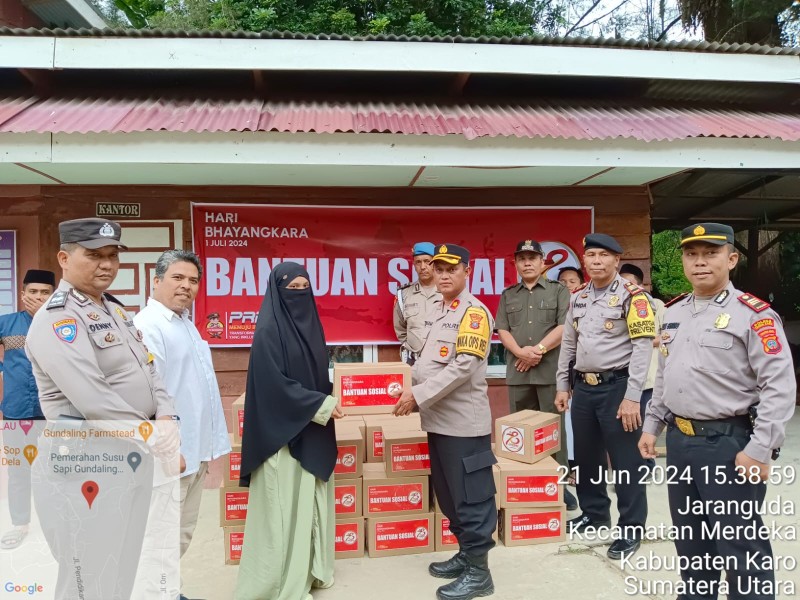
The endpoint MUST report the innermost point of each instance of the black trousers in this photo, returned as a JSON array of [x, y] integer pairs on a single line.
[[694, 453], [462, 479], [646, 396], [597, 430]]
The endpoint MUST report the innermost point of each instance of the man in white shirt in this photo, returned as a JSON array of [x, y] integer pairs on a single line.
[[183, 360]]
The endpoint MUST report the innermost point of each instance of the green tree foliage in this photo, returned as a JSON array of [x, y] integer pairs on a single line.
[[667, 275], [743, 21], [472, 18]]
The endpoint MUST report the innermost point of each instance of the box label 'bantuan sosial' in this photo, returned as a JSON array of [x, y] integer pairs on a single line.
[[395, 535], [347, 460], [545, 438], [345, 499], [235, 539], [530, 526], [234, 465], [383, 498], [236, 505], [531, 488], [346, 537], [370, 389], [410, 457]]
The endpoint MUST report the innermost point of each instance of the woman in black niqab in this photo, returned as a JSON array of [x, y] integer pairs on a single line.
[[287, 380], [288, 447]]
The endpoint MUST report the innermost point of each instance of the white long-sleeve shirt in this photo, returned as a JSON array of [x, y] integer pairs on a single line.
[[183, 360]]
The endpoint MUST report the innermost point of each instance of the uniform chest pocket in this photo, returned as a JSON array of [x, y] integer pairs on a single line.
[[546, 312], [715, 351], [515, 314], [445, 350], [411, 310], [614, 316], [113, 355]]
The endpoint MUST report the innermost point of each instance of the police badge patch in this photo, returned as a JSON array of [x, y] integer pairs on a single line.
[[66, 330]]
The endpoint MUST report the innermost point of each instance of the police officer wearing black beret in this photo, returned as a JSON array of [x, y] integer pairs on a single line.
[[609, 333]]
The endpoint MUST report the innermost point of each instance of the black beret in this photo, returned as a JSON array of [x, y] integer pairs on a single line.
[[602, 241]]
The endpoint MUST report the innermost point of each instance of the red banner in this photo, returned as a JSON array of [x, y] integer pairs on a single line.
[[358, 257]]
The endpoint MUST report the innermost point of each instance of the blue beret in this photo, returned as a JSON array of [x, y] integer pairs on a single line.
[[424, 248], [602, 241]]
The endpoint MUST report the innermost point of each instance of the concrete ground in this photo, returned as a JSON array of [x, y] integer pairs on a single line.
[[570, 570]]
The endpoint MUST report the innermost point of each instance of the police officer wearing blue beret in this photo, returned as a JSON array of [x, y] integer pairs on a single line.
[[609, 332], [414, 302]]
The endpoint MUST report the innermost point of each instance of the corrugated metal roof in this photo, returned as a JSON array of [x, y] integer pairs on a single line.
[[533, 40], [554, 119]]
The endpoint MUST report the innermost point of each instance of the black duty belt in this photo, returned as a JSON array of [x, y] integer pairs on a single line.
[[602, 377], [730, 426]]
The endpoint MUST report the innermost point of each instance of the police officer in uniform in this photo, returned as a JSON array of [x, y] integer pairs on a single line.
[[449, 387], [414, 302], [725, 390], [530, 323], [609, 333], [90, 364]]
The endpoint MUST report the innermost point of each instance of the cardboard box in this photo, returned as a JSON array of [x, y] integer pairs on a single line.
[[375, 424], [233, 506], [363, 388], [350, 445], [528, 435], [349, 541], [394, 536], [234, 537], [406, 453], [529, 526], [446, 540], [522, 485], [237, 415], [384, 496], [232, 466], [347, 498]]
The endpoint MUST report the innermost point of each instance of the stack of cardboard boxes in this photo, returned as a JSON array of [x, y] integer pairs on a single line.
[[382, 476], [233, 499], [529, 493]]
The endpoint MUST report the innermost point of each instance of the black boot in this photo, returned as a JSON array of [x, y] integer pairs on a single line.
[[449, 569], [474, 582]]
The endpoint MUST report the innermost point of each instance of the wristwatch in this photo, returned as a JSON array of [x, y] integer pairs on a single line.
[[543, 348]]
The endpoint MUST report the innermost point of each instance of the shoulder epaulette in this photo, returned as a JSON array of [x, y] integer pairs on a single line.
[[632, 288], [756, 304], [405, 285], [676, 299], [512, 286], [111, 298], [57, 300], [80, 297], [580, 287]]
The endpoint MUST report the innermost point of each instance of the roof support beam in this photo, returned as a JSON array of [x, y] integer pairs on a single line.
[[733, 194]]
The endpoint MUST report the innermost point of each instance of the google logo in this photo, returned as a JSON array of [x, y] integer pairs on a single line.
[[23, 589]]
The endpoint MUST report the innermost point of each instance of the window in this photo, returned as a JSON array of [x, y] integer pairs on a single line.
[[351, 354]]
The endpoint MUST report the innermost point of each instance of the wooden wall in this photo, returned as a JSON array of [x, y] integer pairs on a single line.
[[623, 212]]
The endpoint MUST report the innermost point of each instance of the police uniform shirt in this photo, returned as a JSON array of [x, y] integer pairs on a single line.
[[608, 330], [89, 361], [411, 311], [449, 377], [718, 360], [529, 315]]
